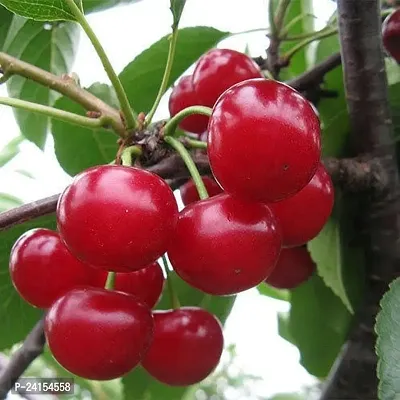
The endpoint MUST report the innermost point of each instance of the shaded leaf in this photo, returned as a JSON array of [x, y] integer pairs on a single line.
[[278, 294], [6, 18], [142, 77], [41, 10], [16, 315], [318, 324], [48, 46], [388, 343], [7, 201], [90, 6], [283, 327], [177, 7], [78, 148], [10, 150]]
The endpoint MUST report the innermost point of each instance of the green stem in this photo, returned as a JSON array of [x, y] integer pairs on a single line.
[[271, 17], [320, 35], [311, 35], [295, 20], [195, 144], [167, 72], [172, 293], [172, 124], [110, 283], [129, 154], [130, 117], [55, 113], [280, 14], [246, 32], [191, 166]]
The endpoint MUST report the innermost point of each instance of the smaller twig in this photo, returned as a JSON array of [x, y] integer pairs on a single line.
[[31, 348]]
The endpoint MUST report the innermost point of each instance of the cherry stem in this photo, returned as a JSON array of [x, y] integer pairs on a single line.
[[129, 154], [126, 108], [171, 126], [110, 283], [194, 144], [191, 166], [175, 304]]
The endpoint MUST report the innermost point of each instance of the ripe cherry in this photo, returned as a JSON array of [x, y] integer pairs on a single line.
[[146, 284], [263, 140], [302, 216], [186, 348], [98, 334], [391, 34], [224, 245], [190, 194], [42, 269], [294, 267], [121, 218], [218, 70], [183, 96]]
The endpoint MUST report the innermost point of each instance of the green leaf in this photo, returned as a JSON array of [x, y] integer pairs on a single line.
[[48, 46], [388, 343], [339, 260], [318, 324], [177, 7], [283, 327], [138, 384], [278, 294], [6, 18], [299, 62], [99, 5], [142, 77], [7, 201], [287, 396], [78, 148], [41, 10], [10, 150], [17, 317]]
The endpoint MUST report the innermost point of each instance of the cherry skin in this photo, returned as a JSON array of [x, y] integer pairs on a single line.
[[119, 218], [146, 284], [186, 348], [183, 96], [224, 245], [42, 269], [294, 267], [218, 70], [263, 140], [98, 334], [391, 34], [302, 216], [190, 194]]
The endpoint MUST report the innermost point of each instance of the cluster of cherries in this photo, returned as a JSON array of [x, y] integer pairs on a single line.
[[273, 195], [391, 34]]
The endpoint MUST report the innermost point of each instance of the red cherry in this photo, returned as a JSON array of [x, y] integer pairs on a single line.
[[391, 34], [117, 216], [224, 245], [183, 96], [98, 334], [219, 69], [294, 267], [42, 269], [187, 346], [302, 216], [146, 284], [190, 194], [263, 140]]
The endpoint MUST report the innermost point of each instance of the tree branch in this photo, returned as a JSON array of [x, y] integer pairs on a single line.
[[22, 358], [64, 85], [354, 375]]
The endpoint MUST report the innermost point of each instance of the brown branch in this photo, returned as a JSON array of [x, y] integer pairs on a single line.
[[22, 358], [64, 85], [354, 375]]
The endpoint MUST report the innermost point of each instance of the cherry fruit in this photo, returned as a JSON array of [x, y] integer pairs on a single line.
[[391, 34], [190, 194], [218, 70], [98, 334], [274, 133], [146, 284], [183, 96], [302, 216], [42, 269], [294, 267], [223, 245], [119, 218], [186, 348]]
